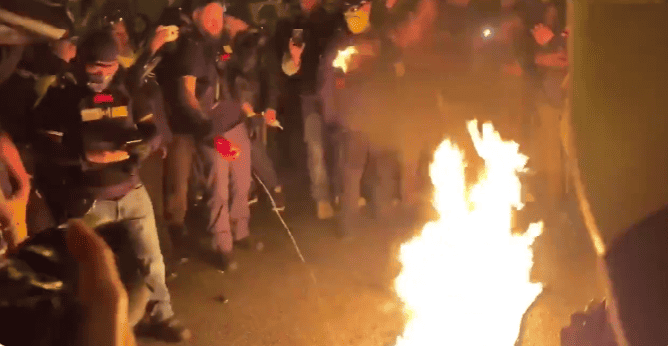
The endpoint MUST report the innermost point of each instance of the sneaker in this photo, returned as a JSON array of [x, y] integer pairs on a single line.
[[278, 198], [171, 330], [325, 210]]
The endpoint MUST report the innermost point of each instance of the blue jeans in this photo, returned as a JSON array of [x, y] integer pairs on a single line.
[[314, 139], [135, 209]]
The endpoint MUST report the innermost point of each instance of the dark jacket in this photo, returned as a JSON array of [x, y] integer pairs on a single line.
[[362, 98], [194, 55], [252, 69], [73, 120], [319, 27]]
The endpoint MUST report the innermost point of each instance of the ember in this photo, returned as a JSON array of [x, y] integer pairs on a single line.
[[465, 279]]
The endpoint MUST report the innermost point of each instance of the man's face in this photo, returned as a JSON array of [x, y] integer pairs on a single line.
[[308, 5], [211, 19], [357, 17], [100, 74], [121, 36]]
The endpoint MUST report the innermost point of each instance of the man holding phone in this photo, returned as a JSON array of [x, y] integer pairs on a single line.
[[301, 42]]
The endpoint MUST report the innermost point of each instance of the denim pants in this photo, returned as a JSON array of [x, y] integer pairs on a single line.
[[135, 209], [227, 199], [314, 139], [178, 166], [355, 154]]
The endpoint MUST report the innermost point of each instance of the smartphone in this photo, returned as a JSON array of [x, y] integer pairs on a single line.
[[298, 37]]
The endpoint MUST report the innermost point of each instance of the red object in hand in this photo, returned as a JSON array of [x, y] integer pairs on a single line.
[[226, 149], [225, 57]]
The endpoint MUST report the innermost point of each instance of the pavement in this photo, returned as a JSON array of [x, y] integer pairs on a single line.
[[272, 299]]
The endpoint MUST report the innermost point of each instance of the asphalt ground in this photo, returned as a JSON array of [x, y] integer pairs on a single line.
[[271, 298]]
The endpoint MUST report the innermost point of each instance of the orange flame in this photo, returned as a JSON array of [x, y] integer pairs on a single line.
[[465, 279]]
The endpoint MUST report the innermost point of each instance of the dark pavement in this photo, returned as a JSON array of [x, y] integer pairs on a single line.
[[271, 299]]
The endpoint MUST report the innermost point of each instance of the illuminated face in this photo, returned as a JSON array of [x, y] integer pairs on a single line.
[[211, 19], [100, 74], [308, 5], [121, 36], [357, 17]]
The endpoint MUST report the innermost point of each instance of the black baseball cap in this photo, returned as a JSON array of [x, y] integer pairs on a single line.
[[98, 46], [354, 3]]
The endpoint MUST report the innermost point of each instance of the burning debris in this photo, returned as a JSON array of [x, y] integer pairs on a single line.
[[343, 58], [466, 277]]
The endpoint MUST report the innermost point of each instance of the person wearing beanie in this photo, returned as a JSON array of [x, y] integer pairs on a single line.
[[201, 105], [90, 138]]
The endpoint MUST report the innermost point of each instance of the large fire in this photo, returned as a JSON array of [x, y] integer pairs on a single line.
[[465, 279]]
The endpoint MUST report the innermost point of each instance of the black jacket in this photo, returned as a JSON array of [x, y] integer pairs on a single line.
[[194, 55], [73, 120], [252, 70], [319, 27], [363, 97]]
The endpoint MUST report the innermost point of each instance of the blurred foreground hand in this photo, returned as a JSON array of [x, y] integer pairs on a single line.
[[100, 289]]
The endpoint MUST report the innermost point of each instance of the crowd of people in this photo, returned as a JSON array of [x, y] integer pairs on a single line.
[[372, 82]]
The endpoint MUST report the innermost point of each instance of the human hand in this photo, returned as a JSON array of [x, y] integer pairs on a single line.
[[100, 289], [159, 39], [104, 156], [248, 109], [542, 34], [66, 50], [17, 206], [296, 52], [227, 149], [269, 115]]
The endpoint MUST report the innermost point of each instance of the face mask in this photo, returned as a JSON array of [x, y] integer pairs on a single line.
[[99, 83], [357, 21]]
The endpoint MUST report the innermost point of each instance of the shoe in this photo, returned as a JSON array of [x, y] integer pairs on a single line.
[[325, 210], [181, 243], [244, 244], [171, 330], [278, 198], [225, 262]]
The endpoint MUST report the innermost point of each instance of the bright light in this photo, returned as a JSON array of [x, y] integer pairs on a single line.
[[487, 33], [343, 58], [465, 279]]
